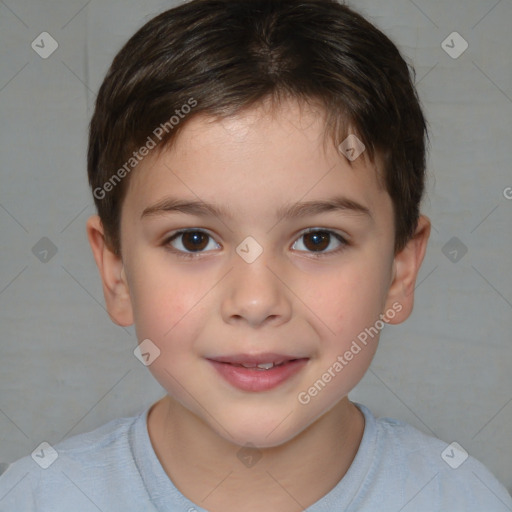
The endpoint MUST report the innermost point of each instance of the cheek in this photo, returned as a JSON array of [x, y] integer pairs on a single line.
[[347, 301], [164, 309], [346, 312], [172, 318], [349, 306]]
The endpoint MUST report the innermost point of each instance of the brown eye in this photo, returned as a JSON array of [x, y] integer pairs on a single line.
[[317, 241], [190, 241], [320, 242], [195, 240]]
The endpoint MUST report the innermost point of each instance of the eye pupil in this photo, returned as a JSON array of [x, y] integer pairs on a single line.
[[319, 239], [197, 240]]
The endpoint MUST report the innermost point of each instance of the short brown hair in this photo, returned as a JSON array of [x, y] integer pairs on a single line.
[[229, 55]]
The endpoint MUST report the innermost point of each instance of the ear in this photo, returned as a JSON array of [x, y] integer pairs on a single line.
[[113, 277], [406, 266]]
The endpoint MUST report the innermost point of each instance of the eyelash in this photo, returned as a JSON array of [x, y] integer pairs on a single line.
[[192, 255]]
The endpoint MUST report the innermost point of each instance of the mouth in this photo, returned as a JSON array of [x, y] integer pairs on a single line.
[[260, 372], [263, 361], [262, 366]]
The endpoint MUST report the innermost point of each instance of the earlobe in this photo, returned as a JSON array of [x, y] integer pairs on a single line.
[[406, 266], [112, 273]]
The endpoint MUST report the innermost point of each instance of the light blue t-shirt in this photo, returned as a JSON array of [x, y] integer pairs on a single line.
[[114, 468]]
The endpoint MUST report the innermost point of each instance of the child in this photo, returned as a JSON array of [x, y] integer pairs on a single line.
[[257, 167]]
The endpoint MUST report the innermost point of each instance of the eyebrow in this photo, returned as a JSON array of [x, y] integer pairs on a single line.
[[296, 210]]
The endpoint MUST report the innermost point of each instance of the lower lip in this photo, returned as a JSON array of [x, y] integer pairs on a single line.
[[250, 379]]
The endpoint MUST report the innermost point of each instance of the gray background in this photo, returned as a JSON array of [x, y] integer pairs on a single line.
[[66, 369]]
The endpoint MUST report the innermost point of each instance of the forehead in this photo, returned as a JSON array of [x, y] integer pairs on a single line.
[[260, 156]]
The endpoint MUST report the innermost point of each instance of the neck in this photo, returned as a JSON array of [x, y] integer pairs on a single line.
[[219, 475]]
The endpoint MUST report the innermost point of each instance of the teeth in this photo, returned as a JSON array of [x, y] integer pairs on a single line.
[[266, 366], [261, 366]]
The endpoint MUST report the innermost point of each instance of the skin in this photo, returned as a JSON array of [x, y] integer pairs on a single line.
[[287, 301]]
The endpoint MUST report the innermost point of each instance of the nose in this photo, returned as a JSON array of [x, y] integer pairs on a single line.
[[256, 294]]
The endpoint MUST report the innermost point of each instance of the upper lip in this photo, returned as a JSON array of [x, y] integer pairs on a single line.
[[266, 357]]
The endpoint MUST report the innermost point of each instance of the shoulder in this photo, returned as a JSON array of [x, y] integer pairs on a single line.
[[431, 474], [60, 476]]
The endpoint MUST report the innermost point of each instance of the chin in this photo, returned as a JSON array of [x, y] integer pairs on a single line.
[[264, 431], [260, 438]]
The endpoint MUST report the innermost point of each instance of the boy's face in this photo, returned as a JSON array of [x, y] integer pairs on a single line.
[[305, 297]]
